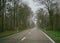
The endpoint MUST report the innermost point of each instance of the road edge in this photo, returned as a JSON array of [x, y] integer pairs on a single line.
[[48, 37]]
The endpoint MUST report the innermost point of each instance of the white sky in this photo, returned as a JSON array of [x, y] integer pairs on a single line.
[[33, 4]]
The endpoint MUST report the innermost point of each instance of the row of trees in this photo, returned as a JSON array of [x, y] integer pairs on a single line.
[[13, 15], [50, 20]]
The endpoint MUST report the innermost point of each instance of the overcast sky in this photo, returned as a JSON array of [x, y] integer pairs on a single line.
[[33, 4]]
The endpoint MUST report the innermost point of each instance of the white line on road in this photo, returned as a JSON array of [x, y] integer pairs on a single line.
[[23, 38], [29, 32], [48, 37]]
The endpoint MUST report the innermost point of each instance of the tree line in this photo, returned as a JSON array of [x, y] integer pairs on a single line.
[[50, 19], [13, 15]]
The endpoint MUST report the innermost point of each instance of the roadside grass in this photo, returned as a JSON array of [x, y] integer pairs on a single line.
[[7, 33], [55, 35]]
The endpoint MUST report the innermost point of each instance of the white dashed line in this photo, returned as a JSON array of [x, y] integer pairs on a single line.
[[29, 32], [23, 38]]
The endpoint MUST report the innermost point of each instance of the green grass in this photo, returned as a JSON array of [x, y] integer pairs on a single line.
[[55, 35], [7, 33]]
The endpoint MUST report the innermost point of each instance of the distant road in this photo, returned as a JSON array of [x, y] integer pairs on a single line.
[[33, 35]]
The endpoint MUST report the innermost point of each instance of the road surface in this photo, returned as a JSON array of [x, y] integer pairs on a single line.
[[33, 35]]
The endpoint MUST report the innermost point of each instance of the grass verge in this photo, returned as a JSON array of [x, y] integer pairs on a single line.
[[55, 35], [7, 33]]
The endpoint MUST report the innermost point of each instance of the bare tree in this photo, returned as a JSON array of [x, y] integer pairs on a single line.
[[50, 4]]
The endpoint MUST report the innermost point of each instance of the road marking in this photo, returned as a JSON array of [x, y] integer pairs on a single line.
[[48, 37], [23, 38], [29, 32]]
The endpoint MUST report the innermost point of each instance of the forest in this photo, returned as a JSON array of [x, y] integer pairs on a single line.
[[17, 16], [13, 15]]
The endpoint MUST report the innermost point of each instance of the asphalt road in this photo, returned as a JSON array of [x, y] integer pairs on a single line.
[[33, 35]]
